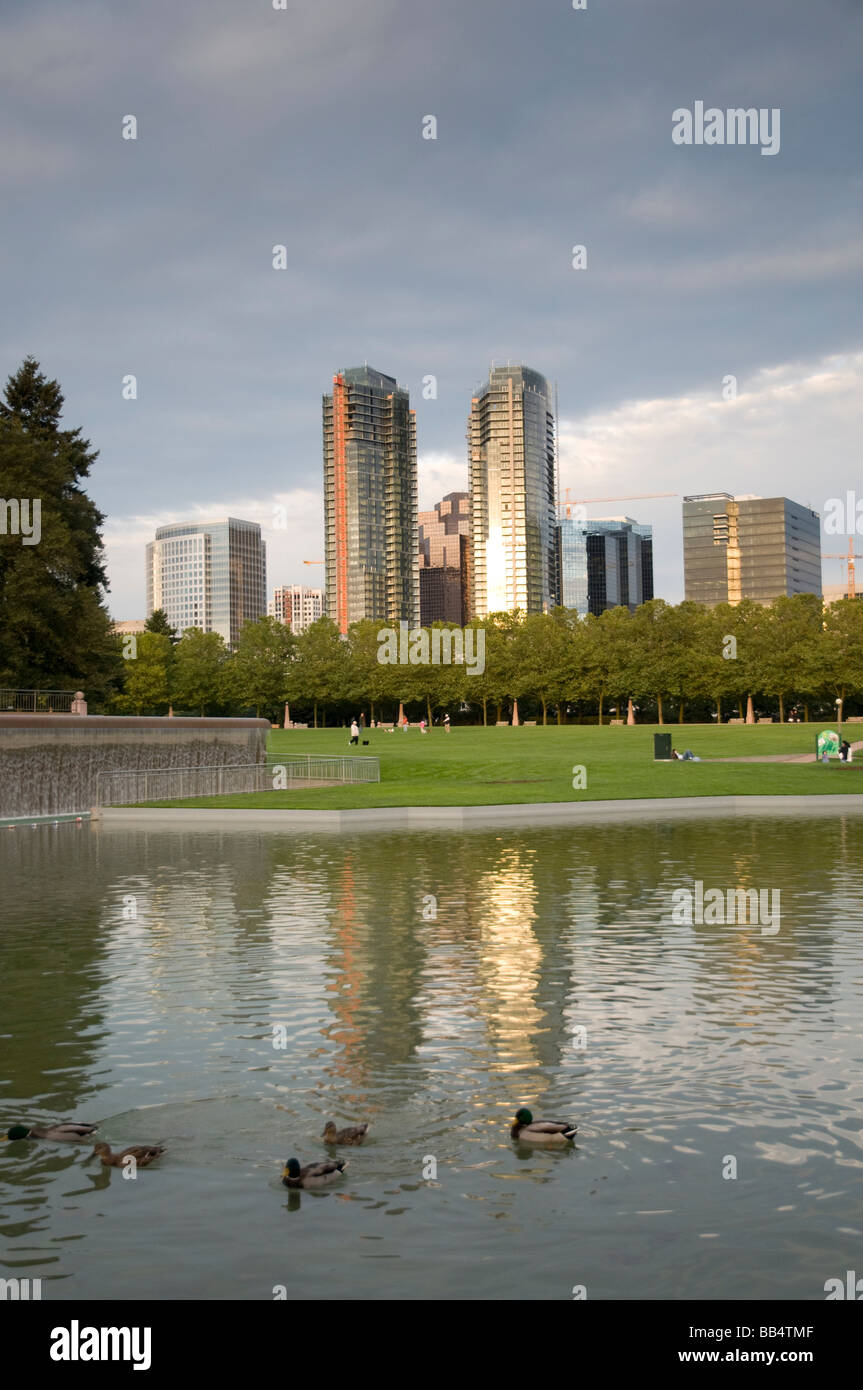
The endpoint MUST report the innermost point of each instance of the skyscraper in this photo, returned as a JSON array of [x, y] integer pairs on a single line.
[[370, 499], [210, 575], [296, 606], [749, 547], [512, 452], [604, 563], [444, 545]]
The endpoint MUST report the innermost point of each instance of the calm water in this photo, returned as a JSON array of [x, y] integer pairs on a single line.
[[702, 1042]]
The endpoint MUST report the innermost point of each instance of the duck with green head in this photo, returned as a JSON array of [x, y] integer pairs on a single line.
[[528, 1130], [314, 1174], [69, 1130]]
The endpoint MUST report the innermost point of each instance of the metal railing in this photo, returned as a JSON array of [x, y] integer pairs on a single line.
[[132, 786], [36, 701]]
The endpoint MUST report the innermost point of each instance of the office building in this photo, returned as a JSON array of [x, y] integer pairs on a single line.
[[210, 575], [370, 500], [296, 606], [444, 549], [512, 453], [604, 563], [749, 547]]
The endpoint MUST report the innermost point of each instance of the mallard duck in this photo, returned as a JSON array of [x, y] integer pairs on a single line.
[[142, 1154], [353, 1134], [313, 1175], [70, 1130], [532, 1131]]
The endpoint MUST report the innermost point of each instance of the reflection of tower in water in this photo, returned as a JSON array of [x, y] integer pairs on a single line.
[[377, 958]]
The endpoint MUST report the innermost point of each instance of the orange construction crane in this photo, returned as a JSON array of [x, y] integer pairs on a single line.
[[849, 559], [314, 562], [571, 502]]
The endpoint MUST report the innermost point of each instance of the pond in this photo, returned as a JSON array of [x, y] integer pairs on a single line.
[[225, 993]]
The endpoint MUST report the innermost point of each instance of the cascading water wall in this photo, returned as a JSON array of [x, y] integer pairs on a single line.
[[49, 763]]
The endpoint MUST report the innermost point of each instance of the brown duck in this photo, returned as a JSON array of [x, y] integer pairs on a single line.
[[142, 1154], [352, 1134]]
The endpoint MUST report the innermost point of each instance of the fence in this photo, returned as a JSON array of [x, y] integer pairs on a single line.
[[131, 787], [36, 701]]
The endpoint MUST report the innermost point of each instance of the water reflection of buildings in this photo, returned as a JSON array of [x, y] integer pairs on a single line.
[[535, 933]]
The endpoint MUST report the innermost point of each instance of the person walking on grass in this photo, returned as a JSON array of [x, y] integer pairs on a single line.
[[422, 726], [446, 723], [355, 731]]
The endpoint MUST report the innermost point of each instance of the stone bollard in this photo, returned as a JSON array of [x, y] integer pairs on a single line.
[[79, 704]]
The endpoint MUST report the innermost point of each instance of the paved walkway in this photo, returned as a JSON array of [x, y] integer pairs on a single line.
[[777, 757]]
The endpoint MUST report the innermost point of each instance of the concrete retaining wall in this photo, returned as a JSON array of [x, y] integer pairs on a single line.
[[475, 817]]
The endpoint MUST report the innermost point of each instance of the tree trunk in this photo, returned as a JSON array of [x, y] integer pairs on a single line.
[[781, 710], [428, 708], [718, 713], [560, 714], [498, 703], [659, 708], [544, 712], [600, 708], [484, 712], [740, 709], [680, 713], [316, 714], [805, 714]]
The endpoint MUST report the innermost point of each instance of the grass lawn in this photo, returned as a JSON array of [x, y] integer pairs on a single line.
[[481, 767]]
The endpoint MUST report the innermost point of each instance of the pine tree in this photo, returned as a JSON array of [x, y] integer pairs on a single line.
[[158, 622], [55, 631]]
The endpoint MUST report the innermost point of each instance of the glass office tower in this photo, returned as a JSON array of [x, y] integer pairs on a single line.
[[210, 575], [370, 499], [512, 452], [749, 547], [604, 563], [444, 551]]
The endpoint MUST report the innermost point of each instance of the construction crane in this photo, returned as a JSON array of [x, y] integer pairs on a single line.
[[314, 562], [849, 559], [570, 502]]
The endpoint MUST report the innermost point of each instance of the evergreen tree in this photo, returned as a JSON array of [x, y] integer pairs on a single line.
[[158, 622], [55, 631]]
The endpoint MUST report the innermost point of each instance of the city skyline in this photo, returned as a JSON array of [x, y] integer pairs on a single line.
[[160, 273]]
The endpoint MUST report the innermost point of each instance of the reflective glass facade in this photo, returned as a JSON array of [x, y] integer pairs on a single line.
[[370, 499], [210, 575], [604, 563], [749, 547], [512, 452], [444, 551]]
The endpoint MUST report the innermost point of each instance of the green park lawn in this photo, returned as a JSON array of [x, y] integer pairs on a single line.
[[479, 767]]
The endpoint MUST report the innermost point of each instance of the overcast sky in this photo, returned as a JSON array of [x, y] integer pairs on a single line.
[[304, 127]]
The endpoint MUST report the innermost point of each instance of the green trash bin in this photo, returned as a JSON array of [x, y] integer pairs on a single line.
[[662, 748]]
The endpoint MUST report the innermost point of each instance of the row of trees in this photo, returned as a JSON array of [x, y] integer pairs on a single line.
[[669, 659]]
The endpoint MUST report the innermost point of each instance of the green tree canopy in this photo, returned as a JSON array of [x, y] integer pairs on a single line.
[[55, 631]]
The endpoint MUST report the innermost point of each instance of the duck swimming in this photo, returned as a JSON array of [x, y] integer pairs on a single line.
[[526, 1129], [313, 1175], [353, 1134], [69, 1130], [142, 1154]]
